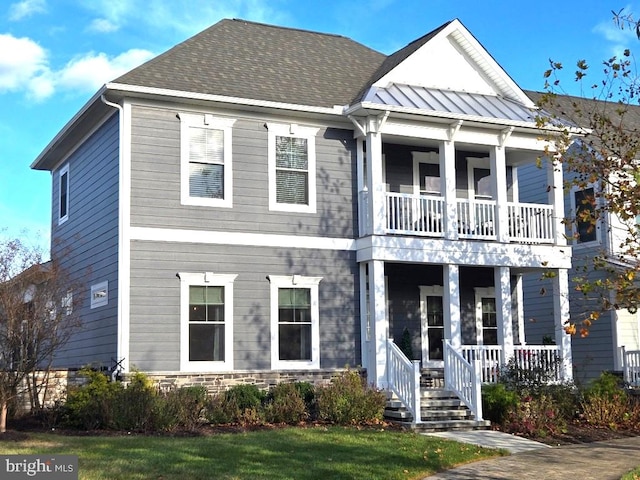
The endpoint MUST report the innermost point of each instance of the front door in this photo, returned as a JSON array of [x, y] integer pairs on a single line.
[[432, 316]]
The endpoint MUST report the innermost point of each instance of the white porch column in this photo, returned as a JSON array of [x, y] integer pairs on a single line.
[[561, 316], [447, 156], [556, 199], [520, 309], [374, 181], [502, 280], [499, 176], [379, 325], [365, 325], [451, 306]]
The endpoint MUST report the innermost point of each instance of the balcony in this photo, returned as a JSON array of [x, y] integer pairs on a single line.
[[421, 215]]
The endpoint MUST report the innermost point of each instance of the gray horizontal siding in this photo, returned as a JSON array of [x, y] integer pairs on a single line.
[[155, 180], [87, 243], [155, 300]]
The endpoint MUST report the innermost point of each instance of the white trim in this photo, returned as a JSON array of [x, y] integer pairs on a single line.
[[100, 294], [480, 293], [188, 279], [295, 281], [336, 110], [435, 291], [292, 130], [574, 228], [124, 238], [210, 237], [207, 121], [431, 158], [64, 170]]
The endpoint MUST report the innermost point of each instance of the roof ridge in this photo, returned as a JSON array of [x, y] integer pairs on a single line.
[[280, 27]]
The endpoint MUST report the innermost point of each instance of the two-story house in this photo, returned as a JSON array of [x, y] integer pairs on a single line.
[[275, 203]]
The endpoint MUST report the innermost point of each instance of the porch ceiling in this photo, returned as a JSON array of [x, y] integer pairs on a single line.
[[448, 101]]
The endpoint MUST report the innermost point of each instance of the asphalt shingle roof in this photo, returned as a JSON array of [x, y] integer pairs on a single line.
[[250, 60]]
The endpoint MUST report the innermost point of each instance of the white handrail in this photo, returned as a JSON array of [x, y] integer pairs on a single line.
[[490, 357], [463, 378], [631, 366], [403, 378]]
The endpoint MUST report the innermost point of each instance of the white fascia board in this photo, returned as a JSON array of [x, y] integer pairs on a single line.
[[492, 69], [68, 126], [164, 92], [461, 252]]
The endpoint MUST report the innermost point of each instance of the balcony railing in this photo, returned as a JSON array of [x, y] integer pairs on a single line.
[[407, 214]]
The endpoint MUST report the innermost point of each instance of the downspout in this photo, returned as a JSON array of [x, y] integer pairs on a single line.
[[123, 254]]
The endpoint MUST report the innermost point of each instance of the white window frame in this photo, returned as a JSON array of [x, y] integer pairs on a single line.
[[295, 281], [574, 211], [292, 131], [100, 294], [480, 293], [64, 170], [430, 158], [187, 121], [208, 279]]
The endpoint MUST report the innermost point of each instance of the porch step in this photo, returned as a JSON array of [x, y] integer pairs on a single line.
[[439, 410], [432, 378]]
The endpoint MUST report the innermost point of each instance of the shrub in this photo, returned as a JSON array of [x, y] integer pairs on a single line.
[[348, 400], [537, 416], [606, 385], [497, 402], [527, 380], [241, 404], [284, 404], [92, 405], [182, 407], [134, 405], [604, 410]]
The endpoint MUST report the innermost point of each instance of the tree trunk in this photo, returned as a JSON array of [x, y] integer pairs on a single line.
[[3, 417]]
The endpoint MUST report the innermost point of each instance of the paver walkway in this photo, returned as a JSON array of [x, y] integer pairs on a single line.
[[590, 461]]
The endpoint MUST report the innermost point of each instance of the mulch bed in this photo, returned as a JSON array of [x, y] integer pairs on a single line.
[[581, 432]]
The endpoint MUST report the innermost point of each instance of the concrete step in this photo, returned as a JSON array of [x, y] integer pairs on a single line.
[[426, 414]]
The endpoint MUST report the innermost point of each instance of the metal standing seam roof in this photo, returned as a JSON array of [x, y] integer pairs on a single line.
[[448, 101]]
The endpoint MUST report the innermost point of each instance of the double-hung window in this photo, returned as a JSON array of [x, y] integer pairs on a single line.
[[206, 331], [63, 194], [295, 330], [292, 165], [206, 160], [486, 316]]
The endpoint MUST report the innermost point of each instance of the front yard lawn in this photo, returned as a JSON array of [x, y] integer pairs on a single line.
[[287, 453]]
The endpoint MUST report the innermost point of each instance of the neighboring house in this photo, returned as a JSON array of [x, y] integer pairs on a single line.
[[616, 330], [272, 203]]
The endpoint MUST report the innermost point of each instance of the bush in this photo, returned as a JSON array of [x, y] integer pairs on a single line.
[[91, 406], [241, 404], [606, 385], [284, 404], [537, 416], [497, 402], [348, 400], [180, 408], [134, 405]]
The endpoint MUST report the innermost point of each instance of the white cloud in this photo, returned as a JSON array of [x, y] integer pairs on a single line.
[[617, 39], [24, 66], [21, 60], [102, 25], [26, 8], [91, 71]]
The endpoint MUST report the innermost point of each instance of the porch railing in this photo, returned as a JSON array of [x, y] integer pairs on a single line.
[[403, 378], [631, 366], [423, 215], [477, 219], [415, 214], [464, 378], [530, 222], [541, 360]]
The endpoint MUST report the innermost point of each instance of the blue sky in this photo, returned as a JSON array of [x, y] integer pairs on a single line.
[[55, 54]]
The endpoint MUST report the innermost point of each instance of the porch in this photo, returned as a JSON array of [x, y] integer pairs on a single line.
[[464, 373]]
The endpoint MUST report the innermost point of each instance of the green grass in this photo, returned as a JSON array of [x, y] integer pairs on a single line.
[[289, 453], [632, 475]]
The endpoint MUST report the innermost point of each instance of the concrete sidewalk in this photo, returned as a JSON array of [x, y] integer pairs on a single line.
[[589, 461]]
